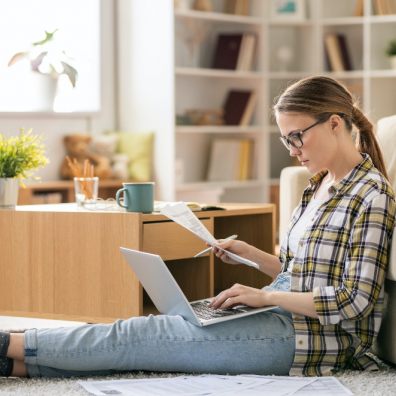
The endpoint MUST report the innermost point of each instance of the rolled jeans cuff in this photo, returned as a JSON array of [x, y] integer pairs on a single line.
[[32, 366]]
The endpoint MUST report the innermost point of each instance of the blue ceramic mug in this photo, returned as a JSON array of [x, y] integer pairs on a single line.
[[138, 197]]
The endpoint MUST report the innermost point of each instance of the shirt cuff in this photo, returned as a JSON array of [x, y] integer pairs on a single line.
[[326, 307]]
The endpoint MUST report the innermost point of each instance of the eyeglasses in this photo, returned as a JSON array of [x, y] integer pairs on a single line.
[[294, 139]]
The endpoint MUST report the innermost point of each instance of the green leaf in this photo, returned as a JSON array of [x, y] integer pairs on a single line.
[[48, 37]]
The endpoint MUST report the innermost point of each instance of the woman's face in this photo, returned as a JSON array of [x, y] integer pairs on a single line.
[[319, 142]]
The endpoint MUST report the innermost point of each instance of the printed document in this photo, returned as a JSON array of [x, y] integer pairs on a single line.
[[219, 385], [181, 214]]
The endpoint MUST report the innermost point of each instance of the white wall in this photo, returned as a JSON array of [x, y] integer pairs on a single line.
[[55, 126], [146, 86]]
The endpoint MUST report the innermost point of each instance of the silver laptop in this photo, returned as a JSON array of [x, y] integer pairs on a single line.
[[169, 299]]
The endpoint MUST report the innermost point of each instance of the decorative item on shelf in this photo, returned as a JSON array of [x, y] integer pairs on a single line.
[[288, 10], [285, 54], [77, 147], [192, 33], [19, 156], [47, 63], [203, 5], [205, 116], [391, 52]]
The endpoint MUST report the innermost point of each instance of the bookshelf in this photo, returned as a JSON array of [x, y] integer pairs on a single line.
[[197, 73], [286, 50]]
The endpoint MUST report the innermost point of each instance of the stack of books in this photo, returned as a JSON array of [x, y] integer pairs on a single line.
[[230, 159], [384, 7], [336, 52], [234, 51], [237, 7]]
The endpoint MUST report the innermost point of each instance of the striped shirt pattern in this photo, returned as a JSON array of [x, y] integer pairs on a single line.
[[342, 258]]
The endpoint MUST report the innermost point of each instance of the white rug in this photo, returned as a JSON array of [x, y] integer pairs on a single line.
[[381, 383]]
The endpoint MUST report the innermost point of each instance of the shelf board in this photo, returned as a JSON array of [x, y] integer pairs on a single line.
[[287, 75], [218, 17], [194, 186], [386, 73], [219, 129], [342, 21], [382, 18], [346, 74], [291, 23], [383, 73], [206, 72]]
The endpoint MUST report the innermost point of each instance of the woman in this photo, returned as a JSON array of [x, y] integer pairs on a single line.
[[328, 280]]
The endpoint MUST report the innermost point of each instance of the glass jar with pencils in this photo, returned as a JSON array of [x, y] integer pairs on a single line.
[[86, 184]]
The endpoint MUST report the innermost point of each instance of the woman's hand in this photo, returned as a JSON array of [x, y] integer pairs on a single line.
[[240, 294], [238, 247]]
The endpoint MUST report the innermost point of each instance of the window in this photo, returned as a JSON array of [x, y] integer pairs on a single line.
[[23, 22]]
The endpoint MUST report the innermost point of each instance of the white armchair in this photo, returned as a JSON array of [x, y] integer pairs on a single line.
[[294, 179]]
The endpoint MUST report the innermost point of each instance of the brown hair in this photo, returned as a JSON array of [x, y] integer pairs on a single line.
[[321, 96]]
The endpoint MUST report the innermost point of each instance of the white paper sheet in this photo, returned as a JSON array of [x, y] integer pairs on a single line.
[[181, 214], [204, 385]]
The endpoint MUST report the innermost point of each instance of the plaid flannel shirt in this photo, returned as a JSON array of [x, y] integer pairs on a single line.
[[342, 258]]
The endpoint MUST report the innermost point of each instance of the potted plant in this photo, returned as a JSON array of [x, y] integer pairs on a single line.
[[19, 157], [47, 62], [391, 52]]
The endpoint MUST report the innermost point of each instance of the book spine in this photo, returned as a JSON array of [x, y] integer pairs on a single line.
[[248, 113], [343, 47], [334, 53]]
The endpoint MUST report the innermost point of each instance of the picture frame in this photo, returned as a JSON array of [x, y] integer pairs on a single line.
[[287, 10]]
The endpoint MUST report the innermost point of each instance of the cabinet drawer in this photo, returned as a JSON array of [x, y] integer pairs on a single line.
[[171, 241]]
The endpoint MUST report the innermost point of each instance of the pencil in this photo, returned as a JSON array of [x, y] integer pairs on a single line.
[[202, 252]]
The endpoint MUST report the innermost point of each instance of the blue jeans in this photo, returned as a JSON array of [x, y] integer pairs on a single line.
[[259, 344]]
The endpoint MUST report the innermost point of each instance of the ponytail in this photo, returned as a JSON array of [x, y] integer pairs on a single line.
[[366, 141]]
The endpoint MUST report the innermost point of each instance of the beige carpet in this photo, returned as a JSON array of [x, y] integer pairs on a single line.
[[381, 383]]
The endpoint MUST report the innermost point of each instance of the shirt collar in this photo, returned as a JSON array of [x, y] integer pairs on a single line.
[[355, 174]]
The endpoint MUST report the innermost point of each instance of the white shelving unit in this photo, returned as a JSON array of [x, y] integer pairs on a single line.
[[198, 86], [164, 73]]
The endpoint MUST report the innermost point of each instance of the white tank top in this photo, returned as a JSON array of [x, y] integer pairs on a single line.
[[302, 224]]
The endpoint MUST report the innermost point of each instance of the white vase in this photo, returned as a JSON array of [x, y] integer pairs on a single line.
[[9, 188], [393, 62]]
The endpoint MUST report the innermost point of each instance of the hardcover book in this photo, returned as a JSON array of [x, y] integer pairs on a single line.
[[227, 51], [239, 107]]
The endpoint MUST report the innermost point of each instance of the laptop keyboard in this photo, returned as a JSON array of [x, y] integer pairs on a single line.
[[203, 311]]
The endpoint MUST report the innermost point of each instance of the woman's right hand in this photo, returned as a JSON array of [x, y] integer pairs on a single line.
[[238, 247]]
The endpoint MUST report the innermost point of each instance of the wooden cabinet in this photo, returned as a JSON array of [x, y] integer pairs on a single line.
[[62, 262]]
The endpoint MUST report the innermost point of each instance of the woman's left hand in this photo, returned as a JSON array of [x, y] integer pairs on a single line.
[[240, 294]]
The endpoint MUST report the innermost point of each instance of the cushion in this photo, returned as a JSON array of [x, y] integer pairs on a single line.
[[139, 149], [386, 133]]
